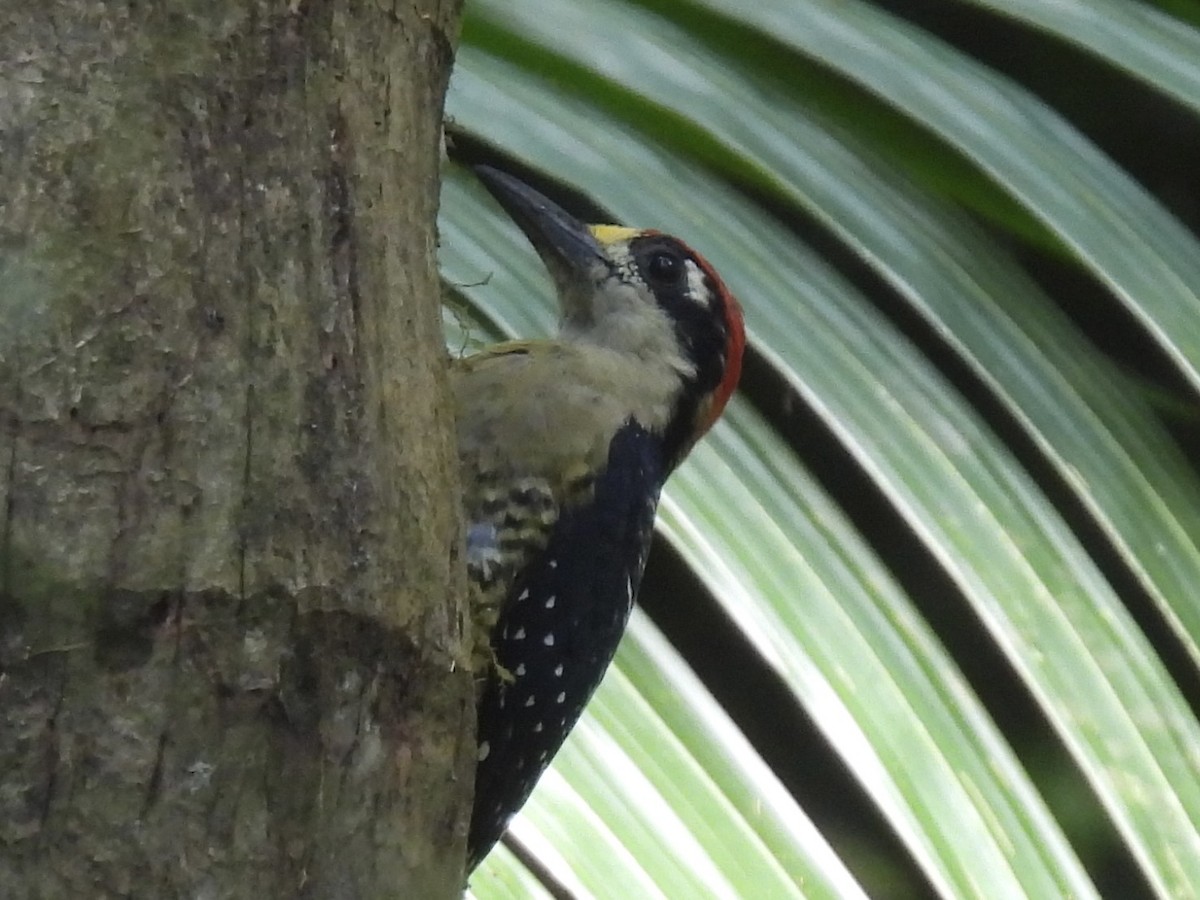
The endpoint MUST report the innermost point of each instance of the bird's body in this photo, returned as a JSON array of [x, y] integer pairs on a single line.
[[565, 406], [565, 445]]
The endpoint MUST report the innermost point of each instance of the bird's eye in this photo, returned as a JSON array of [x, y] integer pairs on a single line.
[[664, 268]]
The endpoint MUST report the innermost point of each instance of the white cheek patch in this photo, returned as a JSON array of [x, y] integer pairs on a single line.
[[697, 289], [624, 265]]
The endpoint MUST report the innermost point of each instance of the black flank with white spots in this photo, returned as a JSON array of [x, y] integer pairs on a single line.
[[560, 628]]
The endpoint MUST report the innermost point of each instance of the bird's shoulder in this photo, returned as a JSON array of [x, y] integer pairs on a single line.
[[545, 407]]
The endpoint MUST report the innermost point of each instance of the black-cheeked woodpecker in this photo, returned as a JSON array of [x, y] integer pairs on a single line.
[[565, 445]]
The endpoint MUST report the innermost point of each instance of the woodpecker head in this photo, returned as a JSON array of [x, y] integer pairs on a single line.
[[638, 292]]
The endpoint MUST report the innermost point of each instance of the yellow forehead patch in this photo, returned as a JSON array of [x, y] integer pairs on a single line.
[[611, 234]]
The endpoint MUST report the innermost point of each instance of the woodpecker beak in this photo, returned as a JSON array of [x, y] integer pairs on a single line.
[[568, 248]]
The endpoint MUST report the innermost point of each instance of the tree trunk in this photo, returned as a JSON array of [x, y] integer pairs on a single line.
[[230, 600]]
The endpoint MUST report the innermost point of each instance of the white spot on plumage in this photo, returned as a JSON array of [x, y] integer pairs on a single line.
[[561, 697], [519, 670], [484, 749], [551, 601], [529, 701], [520, 635], [697, 290], [548, 640], [524, 595], [558, 670], [553, 563], [538, 727]]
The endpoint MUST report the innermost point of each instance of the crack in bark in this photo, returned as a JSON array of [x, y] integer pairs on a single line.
[[243, 539], [248, 356], [6, 548], [369, 685], [131, 502], [156, 770], [154, 786], [52, 754], [343, 249]]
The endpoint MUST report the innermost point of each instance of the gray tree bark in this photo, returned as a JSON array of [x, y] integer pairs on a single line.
[[231, 605]]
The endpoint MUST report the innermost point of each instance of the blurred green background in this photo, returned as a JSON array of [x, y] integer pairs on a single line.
[[923, 618]]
